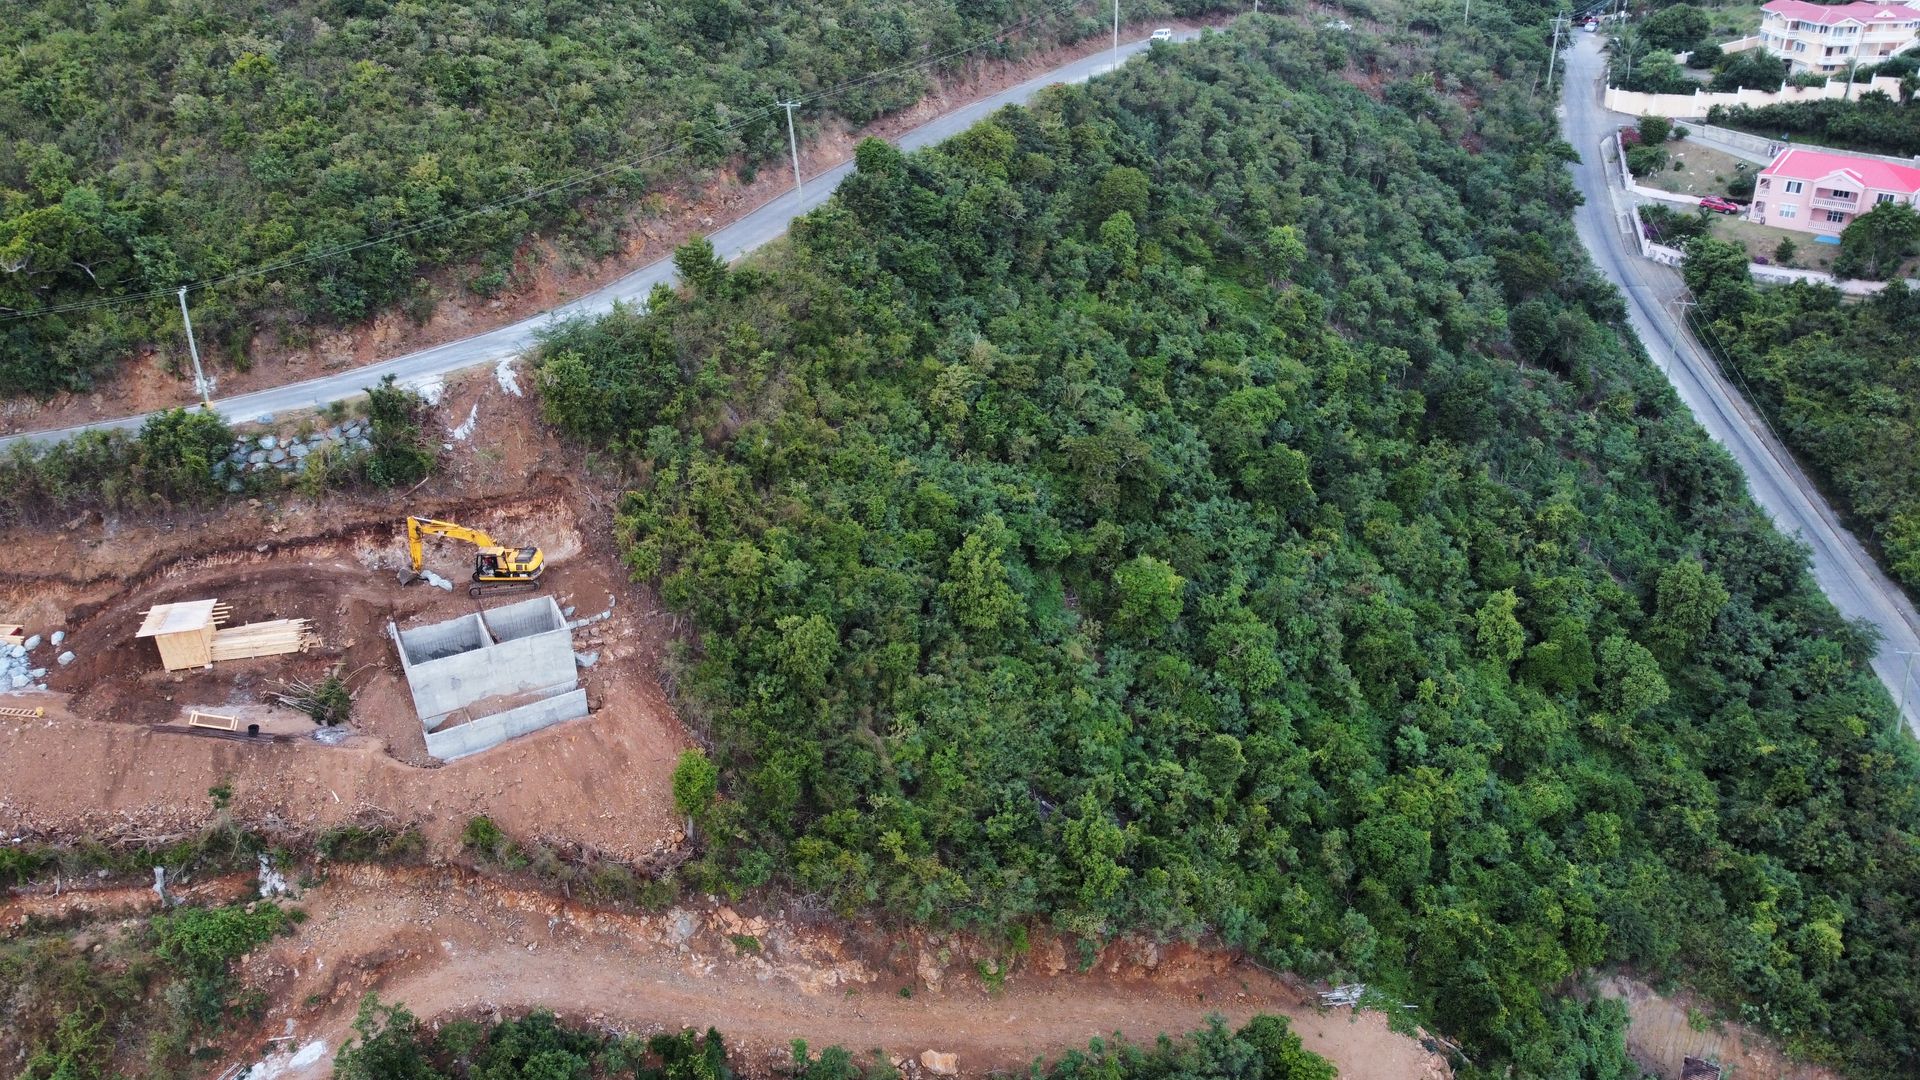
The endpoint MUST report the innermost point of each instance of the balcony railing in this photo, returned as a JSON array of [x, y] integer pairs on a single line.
[[1821, 202]]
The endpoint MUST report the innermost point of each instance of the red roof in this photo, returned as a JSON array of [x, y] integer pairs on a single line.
[[1801, 164], [1829, 14]]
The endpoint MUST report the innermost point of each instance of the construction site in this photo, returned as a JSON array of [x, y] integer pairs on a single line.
[[172, 652], [543, 707]]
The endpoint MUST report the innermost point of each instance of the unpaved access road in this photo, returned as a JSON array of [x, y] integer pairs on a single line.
[[450, 942]]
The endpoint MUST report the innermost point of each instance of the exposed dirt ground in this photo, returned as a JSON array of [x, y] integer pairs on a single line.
[[447, 942], [545, 275], [112, 758], [1663, 1029]]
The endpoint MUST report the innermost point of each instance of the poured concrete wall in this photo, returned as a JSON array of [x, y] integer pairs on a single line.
[[525, 619], [490, 731], [453, 664], [425, 644]]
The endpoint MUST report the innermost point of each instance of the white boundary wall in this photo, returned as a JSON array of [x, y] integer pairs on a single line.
[[1696, 104]]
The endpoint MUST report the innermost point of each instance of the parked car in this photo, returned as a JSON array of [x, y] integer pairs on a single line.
[[1165, 33], [1720, 206]]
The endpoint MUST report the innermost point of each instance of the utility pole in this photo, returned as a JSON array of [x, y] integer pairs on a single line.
[[1116, 35], [793, 146], [1554, 54], [1904, 672], [199, 377]]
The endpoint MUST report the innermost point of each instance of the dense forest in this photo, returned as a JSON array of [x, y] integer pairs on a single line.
[[391, 1044], [1223, 499], [149, 144], [1840, 381]]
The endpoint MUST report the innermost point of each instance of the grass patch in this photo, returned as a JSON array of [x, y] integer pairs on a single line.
[[1703, 171]]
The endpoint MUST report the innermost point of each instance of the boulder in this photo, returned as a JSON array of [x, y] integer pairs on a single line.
[[301, 450], [277, 456], [65, 658], [258, 457], [268, 442], [59, 636], [940, 1064], [31, 643]]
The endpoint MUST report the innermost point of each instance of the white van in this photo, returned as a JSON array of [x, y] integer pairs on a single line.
[[1165, 33]]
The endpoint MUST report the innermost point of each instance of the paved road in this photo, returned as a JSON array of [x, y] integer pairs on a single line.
[[742, 236], [1841, 566]]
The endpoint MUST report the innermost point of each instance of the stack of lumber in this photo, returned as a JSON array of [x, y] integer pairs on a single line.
[[263, 639]]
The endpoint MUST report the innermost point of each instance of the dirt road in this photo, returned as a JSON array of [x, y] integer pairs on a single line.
[[448, 942]]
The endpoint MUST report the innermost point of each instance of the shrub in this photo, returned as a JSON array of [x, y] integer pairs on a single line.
[[1646, 160], [400, 455]]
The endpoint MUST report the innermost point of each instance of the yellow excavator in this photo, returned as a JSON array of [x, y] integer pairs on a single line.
[[496, 567]]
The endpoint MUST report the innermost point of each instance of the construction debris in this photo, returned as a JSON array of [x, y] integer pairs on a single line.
[[1349, 994], [34, 713]]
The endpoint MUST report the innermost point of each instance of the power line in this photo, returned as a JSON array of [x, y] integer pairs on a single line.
[[554, 187]]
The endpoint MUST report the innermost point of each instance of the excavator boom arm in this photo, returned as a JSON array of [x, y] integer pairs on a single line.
[[418, 526]]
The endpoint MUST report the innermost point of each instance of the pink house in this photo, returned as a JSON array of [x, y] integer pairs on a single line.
[[1815, 191]]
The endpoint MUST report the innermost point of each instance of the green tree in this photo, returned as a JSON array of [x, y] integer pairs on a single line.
[[695, 783], [700, 266], [1875, 244], [1688, 599], [400, 455], [978, 590], [1676, 28], [1147, 597], [1716, 271], [1496, 631]]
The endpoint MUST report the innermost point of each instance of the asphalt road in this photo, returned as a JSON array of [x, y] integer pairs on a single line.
[[1841, 567], [754, 230]]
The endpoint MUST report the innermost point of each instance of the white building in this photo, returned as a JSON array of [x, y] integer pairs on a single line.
[[1826, 39]]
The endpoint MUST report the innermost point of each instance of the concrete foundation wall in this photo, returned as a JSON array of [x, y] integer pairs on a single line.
[[453, 664], [434, 722], [525, 619], [491, 731], [427, 643], [516, 667]]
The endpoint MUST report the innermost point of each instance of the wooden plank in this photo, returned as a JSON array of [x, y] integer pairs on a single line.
[[263, 639], [12, 634], [34, 713], [196, 718]]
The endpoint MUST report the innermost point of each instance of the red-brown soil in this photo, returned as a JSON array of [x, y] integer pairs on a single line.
[[449, 942], [1662, 1030]]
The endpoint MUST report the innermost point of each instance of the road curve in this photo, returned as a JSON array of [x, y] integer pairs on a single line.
[[732, 241], [1841, 566]]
